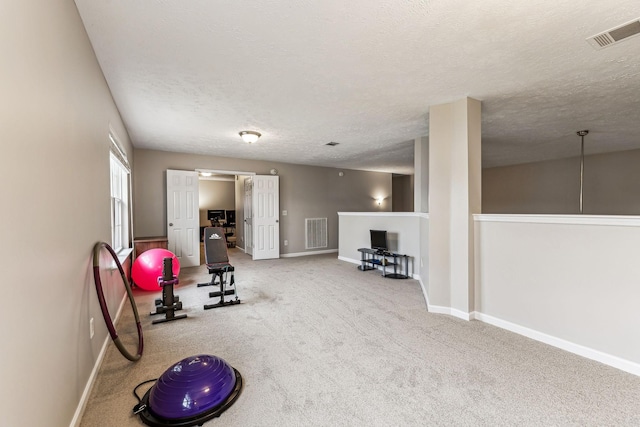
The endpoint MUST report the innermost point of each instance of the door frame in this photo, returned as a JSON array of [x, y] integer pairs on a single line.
[[247, 217], [236, 174]]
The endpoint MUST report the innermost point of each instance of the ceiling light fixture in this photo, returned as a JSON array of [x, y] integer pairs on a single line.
[[250, 136]]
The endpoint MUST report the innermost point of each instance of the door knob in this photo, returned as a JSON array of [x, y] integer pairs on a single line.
[[170, 224]]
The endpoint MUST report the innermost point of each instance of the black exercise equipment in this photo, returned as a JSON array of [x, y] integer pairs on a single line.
[[97, 249], [217, 260], [169, 303]]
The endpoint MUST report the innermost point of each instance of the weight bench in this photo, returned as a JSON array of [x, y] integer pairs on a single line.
[[217, 261]]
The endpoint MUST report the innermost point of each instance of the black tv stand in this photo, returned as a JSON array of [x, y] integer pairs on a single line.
[[371, 259]]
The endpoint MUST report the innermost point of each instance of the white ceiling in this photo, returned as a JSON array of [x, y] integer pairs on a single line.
[[187, 76]]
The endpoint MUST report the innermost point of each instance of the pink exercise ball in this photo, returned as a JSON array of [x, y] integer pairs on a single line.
[[148, 267]]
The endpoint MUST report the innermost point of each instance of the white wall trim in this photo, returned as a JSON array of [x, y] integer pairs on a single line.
[[460, 314], [82, 404], [89, 386], [424, 291], [297, 254], [434, 309], [398, 214], [124, 254], [351, 260], [614, 220], [580, 350], [439, 309]]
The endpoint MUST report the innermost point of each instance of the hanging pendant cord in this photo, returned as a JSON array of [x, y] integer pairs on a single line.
[[581, 134]]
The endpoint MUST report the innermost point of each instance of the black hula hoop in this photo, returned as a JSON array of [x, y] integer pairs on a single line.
[[103, 304]]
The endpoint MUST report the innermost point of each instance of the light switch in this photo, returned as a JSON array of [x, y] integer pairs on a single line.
[[284, 213]]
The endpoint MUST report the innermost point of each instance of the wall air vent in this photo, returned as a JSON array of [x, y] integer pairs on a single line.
[[315, 235], [615, 35]]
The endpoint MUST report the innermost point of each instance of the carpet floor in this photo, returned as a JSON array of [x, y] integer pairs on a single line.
[[319, 343]]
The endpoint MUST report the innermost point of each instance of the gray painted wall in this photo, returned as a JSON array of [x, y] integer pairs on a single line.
[[55, 112], [402, 199], [611, 186], [305, 192]]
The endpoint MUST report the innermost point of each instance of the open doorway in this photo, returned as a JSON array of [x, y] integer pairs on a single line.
[[250, 217], [224, 190], [217, 205]]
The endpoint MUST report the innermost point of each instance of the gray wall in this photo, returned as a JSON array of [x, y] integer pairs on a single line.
[[402, 199], [305, 192], [55, 112], [611, 186]]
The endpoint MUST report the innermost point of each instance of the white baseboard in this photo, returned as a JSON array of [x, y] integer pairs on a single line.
[[439, 309], [580, 350], [351, 260], [297, 254], [460, 314], [424, 291], [77, 416]]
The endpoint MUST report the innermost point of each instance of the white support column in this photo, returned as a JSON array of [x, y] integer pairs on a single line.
[[455, 170], [421, 175]]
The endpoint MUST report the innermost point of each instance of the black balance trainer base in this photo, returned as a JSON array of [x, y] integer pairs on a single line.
[[169, 303], [217, 260]]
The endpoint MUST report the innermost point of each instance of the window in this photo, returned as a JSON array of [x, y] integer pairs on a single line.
[[119, 198]]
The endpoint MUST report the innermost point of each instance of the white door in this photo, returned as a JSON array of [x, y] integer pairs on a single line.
[[248, 230], [183, 217], [266, 219]]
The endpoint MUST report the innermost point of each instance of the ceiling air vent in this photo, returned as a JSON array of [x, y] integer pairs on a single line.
[[615, 35]]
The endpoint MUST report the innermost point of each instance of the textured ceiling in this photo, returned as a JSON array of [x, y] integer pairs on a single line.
[[187, 76]]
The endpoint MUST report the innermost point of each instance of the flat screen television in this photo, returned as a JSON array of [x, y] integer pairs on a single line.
[[379, 240], [231, 217], [215, 214]]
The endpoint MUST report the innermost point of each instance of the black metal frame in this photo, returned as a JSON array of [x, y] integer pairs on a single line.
[[221, 274], [217, 259], [169, 303]]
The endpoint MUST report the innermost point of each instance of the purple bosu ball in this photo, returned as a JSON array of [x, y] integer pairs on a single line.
[[192, 391]]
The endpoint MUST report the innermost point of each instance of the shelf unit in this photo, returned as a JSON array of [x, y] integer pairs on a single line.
[[371, 259]]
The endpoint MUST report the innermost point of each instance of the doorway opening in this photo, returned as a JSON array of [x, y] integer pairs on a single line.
[[221, 203]]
